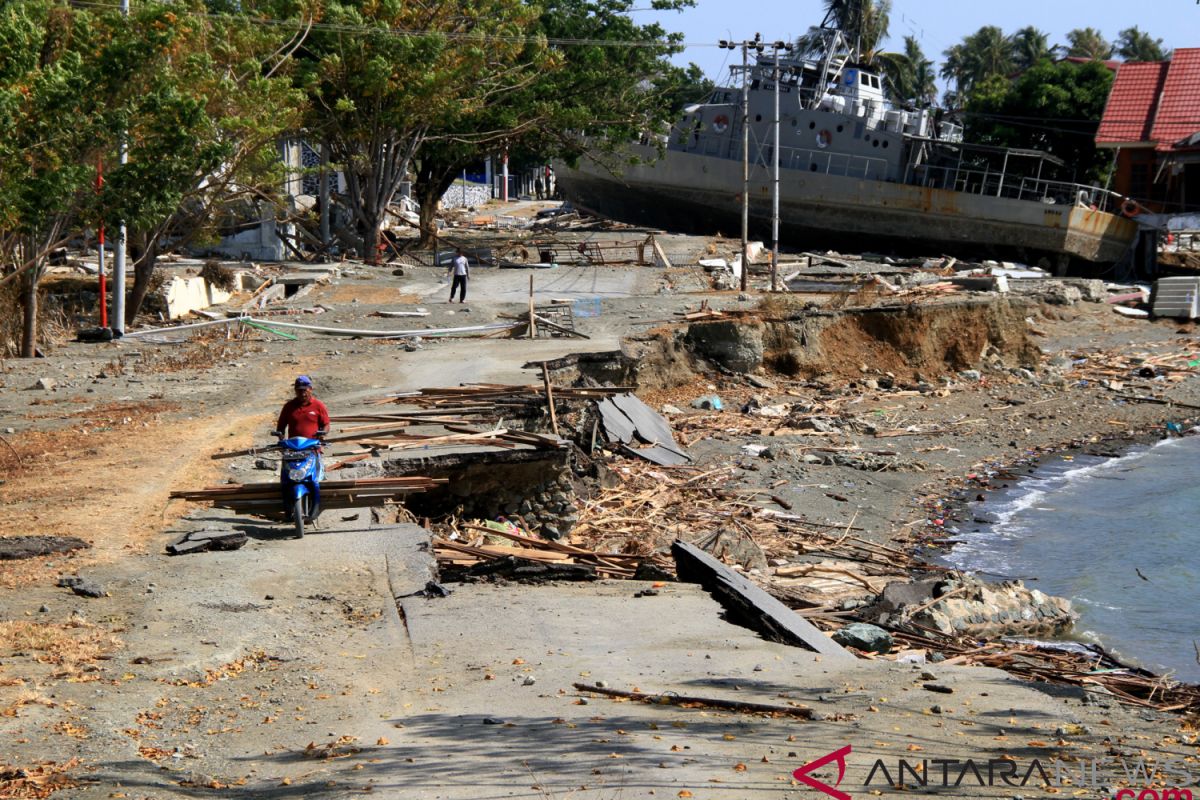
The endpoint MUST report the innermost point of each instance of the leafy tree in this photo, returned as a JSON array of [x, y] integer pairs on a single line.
[[49, 127], [1013, 113], [1029, 46], [205, 109], [1135, 45], [591, 95], [1088, 43], [380, 77]]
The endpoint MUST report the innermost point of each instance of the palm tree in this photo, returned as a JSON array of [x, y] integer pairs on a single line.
[[1029, 46], [984, 53], [910, 74], [1088, 43], [864, 23], [1135, 45], [954, 69]]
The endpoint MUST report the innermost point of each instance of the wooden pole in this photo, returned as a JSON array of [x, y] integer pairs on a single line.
[[550, 398], [532, 321]]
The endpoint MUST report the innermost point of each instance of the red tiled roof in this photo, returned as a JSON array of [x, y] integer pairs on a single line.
[[1178, 114], [1132, 102]]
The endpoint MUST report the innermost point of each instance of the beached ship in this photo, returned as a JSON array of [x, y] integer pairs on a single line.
[[856, 170]]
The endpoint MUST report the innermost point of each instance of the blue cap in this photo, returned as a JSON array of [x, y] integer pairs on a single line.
[[304, 380]]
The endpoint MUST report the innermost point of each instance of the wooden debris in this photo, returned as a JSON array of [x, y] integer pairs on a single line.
[[672, 699], [258, 498], [473, 548]]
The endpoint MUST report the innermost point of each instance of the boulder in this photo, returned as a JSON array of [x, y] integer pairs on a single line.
[[861, 636]]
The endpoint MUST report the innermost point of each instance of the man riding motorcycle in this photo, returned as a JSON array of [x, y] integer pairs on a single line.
[[305, 421]]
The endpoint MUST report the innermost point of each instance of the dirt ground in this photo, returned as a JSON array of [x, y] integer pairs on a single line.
[[285, 669]]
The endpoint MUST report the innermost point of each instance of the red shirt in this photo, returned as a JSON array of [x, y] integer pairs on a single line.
[[303, 417]]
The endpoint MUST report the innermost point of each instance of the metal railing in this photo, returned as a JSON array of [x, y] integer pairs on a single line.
[[999, 184], [798, 158]]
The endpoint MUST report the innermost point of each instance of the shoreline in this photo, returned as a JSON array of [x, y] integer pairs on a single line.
[[958, 509]]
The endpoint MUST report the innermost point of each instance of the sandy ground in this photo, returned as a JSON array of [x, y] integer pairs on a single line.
[[300, 669]]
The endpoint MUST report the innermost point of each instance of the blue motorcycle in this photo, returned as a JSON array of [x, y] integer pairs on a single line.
[[300, 480]]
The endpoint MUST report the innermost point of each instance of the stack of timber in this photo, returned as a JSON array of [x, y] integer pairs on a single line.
[[481, 397], [259, 498], [386, 437]]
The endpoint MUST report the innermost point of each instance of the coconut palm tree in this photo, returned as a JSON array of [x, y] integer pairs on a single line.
[[954, 70], [1029, 46], [1135, 45], [910, 74], [864, 23], [982, 54], [1088, 43]]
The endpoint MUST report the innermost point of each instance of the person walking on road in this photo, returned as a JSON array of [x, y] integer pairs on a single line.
[[460, 270], [538, 188]]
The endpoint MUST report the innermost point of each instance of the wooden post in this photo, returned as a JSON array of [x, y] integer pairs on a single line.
[[532, 321], [550, 398]]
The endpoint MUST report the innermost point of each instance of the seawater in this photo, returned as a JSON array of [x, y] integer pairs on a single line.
[[1084, 527]]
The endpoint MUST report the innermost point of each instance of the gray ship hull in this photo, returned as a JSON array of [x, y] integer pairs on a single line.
[[697, 193]]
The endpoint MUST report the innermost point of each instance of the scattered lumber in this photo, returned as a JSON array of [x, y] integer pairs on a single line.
[[265, 497], [672, 699], [478, 545]]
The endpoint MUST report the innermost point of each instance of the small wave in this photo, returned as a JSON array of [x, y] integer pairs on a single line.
[[1095, 604]]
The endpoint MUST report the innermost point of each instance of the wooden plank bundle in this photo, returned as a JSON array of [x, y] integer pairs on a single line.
[[265, 497], [475, 397]]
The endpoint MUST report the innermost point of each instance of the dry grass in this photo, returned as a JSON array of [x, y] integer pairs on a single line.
[[35, 451], [71, 647]]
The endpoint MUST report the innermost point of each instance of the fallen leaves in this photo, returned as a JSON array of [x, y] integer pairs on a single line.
[[37, 782]]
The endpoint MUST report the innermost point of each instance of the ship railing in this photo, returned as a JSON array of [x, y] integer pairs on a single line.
[[1016, 187], [827, 163]]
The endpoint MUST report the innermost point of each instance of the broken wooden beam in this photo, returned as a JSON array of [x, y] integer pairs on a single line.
[[672, 699]]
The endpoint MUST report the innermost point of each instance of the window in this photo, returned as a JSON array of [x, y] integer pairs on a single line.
[[866, 79]]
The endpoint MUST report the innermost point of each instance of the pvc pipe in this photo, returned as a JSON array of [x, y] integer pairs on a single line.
[[189, 326], [495, 326]]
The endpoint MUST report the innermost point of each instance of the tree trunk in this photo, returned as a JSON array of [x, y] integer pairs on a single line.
[[143, 273], [29, 301], [372, 238], [432, 182]]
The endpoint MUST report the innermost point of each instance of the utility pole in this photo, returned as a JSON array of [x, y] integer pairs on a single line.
[[323, 199], [119, 260], [746, 47], [777, 46], [100, 248]]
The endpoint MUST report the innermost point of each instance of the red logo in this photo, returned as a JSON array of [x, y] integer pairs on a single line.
[[837, 756]]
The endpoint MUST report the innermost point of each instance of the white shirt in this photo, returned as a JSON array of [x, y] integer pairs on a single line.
[[459, 266]]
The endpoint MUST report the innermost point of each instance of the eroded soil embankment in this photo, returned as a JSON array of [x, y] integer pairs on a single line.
[[909, 342]]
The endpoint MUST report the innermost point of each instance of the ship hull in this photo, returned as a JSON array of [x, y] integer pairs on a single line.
[[696, 193]]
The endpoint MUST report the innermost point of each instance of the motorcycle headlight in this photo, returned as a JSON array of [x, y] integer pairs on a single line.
[[297, 473]]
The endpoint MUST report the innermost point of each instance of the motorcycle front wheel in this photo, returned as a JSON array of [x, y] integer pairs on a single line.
[[298, 517]]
